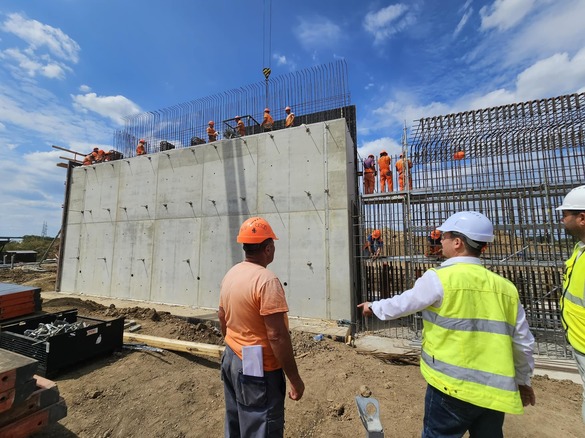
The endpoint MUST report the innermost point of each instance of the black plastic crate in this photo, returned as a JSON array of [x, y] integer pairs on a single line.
[[61, 351]]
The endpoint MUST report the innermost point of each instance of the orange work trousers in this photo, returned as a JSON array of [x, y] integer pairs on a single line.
[[386, 178], [402, 181], [369, 182]]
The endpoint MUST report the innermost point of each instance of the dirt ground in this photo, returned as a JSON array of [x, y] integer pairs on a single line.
[[150, 394]]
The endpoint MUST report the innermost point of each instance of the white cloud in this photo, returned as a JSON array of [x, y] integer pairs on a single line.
[[463, 21], [84, 88], [384, 23], [374, 147], [557, 28], [505, 14], [113, 107], [282, 60], [318, 32], [558, 74], [39, 35]]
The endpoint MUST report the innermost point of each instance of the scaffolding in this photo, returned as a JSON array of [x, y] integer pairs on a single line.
[[514, 163], [315, 94]]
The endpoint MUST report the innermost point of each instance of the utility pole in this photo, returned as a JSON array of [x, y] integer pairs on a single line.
[[44, 232]]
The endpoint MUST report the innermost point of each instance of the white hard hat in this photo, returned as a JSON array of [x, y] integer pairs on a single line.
[[471, 224], [575, 200]]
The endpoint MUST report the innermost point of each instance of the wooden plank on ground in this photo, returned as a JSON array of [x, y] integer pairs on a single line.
[[196, 348]]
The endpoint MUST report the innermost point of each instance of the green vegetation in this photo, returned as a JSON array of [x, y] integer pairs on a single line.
[[34, 243]]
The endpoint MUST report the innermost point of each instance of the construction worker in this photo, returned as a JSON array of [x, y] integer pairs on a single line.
[[268, 121], [369, 174], [240, 127], [101, 155], [385, 173], [403, 166], [87, 160], [211, 132], [374, 244], [141, 148], [477, 347], [434, 244], [290, 118], [254, 323], [573, 298], [459, 154]]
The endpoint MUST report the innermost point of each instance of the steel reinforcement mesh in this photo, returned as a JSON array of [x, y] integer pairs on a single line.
[[315, 94], [513, 163]]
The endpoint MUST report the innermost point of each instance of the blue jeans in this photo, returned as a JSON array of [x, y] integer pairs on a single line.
[[448, 417], [254, 406]]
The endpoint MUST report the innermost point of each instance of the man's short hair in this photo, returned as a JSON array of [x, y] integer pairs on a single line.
[[474, 247], [253, 248]]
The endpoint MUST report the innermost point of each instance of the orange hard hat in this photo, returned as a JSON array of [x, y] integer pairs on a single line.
[[376, 234], [287, 108], [142, 141], [266, 110], [211, 122], [435, 234], [255, 230]]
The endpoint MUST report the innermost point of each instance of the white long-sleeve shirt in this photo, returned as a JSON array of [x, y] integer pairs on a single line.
[[428, 291]]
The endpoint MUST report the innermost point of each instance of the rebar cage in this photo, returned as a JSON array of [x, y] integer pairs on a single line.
[[315, 94], [513, 163]]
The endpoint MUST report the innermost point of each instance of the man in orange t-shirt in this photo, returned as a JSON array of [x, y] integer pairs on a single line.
[[403, 166], [253, 313]]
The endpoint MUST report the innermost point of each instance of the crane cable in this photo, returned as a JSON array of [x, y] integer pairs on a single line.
[[267, 41]]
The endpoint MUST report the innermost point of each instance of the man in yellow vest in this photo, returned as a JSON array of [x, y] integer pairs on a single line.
[[477, 347], [573, 299]]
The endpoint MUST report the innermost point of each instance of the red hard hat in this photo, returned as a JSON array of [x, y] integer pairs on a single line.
[[376, 234], [142, 141], [266, 110]]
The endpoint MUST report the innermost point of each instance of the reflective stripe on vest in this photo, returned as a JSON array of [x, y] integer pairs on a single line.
[[467, 349], [475, 376], [573, 299], [469, 324]]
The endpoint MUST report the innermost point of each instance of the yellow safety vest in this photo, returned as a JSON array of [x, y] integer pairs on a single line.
[[467, 349], [572, 300]]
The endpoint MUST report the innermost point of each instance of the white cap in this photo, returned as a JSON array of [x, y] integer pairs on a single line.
[[575, 200], [471, 224]]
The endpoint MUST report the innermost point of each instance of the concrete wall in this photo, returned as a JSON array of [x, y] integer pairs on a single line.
[[163, 227]]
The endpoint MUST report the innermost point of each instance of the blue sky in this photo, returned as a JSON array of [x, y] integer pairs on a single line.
[[70, 70]]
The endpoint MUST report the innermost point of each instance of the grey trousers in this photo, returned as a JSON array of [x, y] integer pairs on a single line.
[[254, 406]]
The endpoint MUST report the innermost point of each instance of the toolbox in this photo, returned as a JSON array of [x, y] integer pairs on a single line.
[[87, 339]]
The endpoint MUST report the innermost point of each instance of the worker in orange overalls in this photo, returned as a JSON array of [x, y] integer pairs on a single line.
[[240, 127], [140, 149], [369, 174], [459, 154], [268, 121], [88, 160], [403, 166], [211, 132], [434, 244], [290, 117], [385, 173]]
